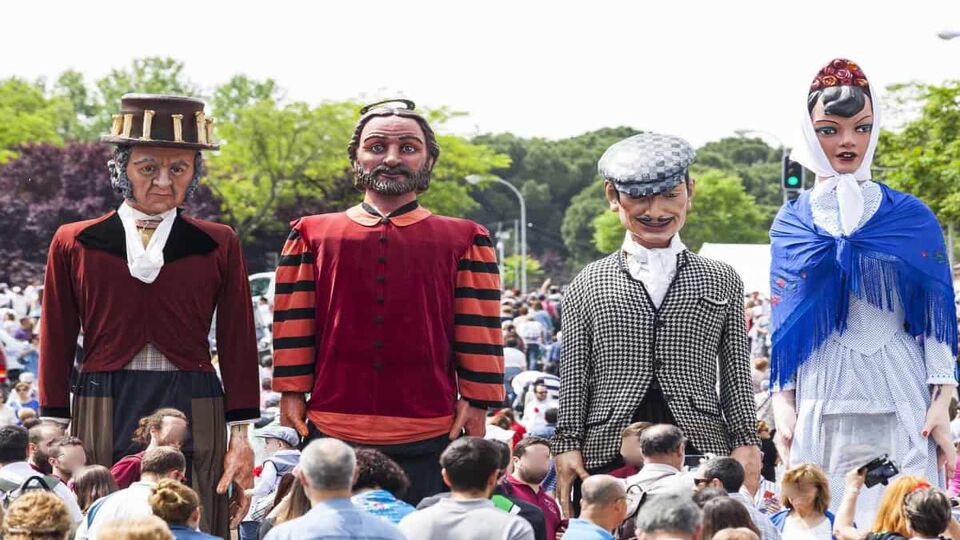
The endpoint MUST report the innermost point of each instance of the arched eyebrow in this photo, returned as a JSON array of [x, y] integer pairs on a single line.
[[145, 159], [870, 116], [402, 136]]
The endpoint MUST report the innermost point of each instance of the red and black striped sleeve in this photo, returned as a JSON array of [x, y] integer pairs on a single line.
[[478, 339], [294, 315]]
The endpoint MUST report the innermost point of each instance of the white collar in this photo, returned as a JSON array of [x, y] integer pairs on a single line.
[[145, 263], [643, 253]]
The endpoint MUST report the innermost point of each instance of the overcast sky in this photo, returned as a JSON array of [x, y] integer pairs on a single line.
[[554, 69]]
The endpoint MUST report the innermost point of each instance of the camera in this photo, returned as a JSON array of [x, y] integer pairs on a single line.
[[879, 471]]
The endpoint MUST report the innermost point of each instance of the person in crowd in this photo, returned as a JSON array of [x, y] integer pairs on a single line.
[[725, 513], [702, 496], [147, 527], [864, 320], [727, 474], [379, 486], [179, 507], [603, 506], [510, 503], [15, 470], [549, 426], [663, 448], [23, 399], [67, 456], [470, 467], [28, 418], [42, 439], [282, 456], [36, 515], [91, 483], [630, 450], [531, 463], [291, 502], [534, 336], [738, 533], [519, 432], [670, 517], [25, 331], [163, 462], [410, 292], [540, 315], [806, 498], [8, 416], [535, 410], [652, 332], [769, 450], [891, 520], [327, 471], [514, 363], [146, 284], [266, 310], [164, 427]]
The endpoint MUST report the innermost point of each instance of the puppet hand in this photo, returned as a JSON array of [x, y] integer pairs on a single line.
[[938, 427], [293, 411], [569, 468], [469, 418], [237, 469]]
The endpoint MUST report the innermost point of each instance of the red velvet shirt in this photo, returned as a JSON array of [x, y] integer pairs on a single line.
[[385, 321], [88, 286], [540, 498]]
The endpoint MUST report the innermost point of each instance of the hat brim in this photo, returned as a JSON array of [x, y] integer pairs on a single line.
[[642, 189], [131, 141]]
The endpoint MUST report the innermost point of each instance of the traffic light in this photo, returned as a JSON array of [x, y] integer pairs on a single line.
[[792, 177]]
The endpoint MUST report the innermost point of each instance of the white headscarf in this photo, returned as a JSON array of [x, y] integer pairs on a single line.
[[808, 152]]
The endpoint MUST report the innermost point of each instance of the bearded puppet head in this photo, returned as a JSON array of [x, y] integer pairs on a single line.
[[393, 149]]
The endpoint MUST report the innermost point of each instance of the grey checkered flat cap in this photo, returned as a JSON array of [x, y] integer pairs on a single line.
[[646, 164]]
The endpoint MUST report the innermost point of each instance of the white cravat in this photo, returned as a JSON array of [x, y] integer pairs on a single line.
[[808, 152], [655, 268], [145, 263]]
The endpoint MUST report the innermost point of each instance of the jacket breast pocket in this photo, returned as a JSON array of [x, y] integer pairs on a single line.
[[598, 416], [706, 405]]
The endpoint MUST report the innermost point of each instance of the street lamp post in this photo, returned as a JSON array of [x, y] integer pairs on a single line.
[[475, 179]]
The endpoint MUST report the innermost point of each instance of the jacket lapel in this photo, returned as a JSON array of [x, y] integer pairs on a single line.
[[106, 235], [185, 239]]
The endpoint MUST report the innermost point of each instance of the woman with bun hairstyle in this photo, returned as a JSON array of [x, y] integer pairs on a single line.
[[179, 506]]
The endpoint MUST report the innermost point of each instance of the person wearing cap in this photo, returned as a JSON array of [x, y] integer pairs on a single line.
[[389, 315], [144, 283], [864, 327], [648, 329], [280, 447]]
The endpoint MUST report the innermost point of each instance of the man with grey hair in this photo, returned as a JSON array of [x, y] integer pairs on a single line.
[[663, 447], [603, 506], [674, 517], [327, 471]]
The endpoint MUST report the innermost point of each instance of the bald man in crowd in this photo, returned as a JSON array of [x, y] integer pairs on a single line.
[[603, 506]]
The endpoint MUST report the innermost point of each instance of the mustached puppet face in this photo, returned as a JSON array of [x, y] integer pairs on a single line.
[[652, 220]]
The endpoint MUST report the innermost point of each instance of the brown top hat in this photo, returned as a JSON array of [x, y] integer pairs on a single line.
[[158, 120]]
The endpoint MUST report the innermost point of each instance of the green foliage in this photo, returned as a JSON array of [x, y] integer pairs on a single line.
[[607, 232], [578, 224], [723, 212], [448, 194], [274, 154], [924, 156], [26, 116], [535, 273]]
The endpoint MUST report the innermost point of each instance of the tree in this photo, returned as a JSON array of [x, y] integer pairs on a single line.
[[923, 158], [722, 212], [756, 163], [275, 153], [26, 116], [510, 269]]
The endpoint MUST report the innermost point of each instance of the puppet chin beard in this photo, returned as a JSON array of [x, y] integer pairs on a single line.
[[415, 181]]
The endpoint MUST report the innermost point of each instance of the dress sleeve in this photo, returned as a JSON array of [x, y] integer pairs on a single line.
[[575, 357], [940, 362], [736, 386], [477, 335], [295, 315]]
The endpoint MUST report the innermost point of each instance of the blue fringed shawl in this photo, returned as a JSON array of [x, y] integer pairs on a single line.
[[813, 274]]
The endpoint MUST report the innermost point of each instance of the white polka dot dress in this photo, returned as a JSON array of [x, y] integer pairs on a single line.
[[865, 392]]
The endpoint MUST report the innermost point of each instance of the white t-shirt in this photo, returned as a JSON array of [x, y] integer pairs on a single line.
[[514, 358], [129, 503], [793, 530]]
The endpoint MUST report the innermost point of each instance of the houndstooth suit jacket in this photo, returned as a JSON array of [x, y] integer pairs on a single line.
[[614, 340]]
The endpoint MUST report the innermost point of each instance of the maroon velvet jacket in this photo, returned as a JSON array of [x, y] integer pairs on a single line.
[[89, 287]]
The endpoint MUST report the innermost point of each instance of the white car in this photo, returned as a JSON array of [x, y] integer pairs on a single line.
[[262, 284]]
